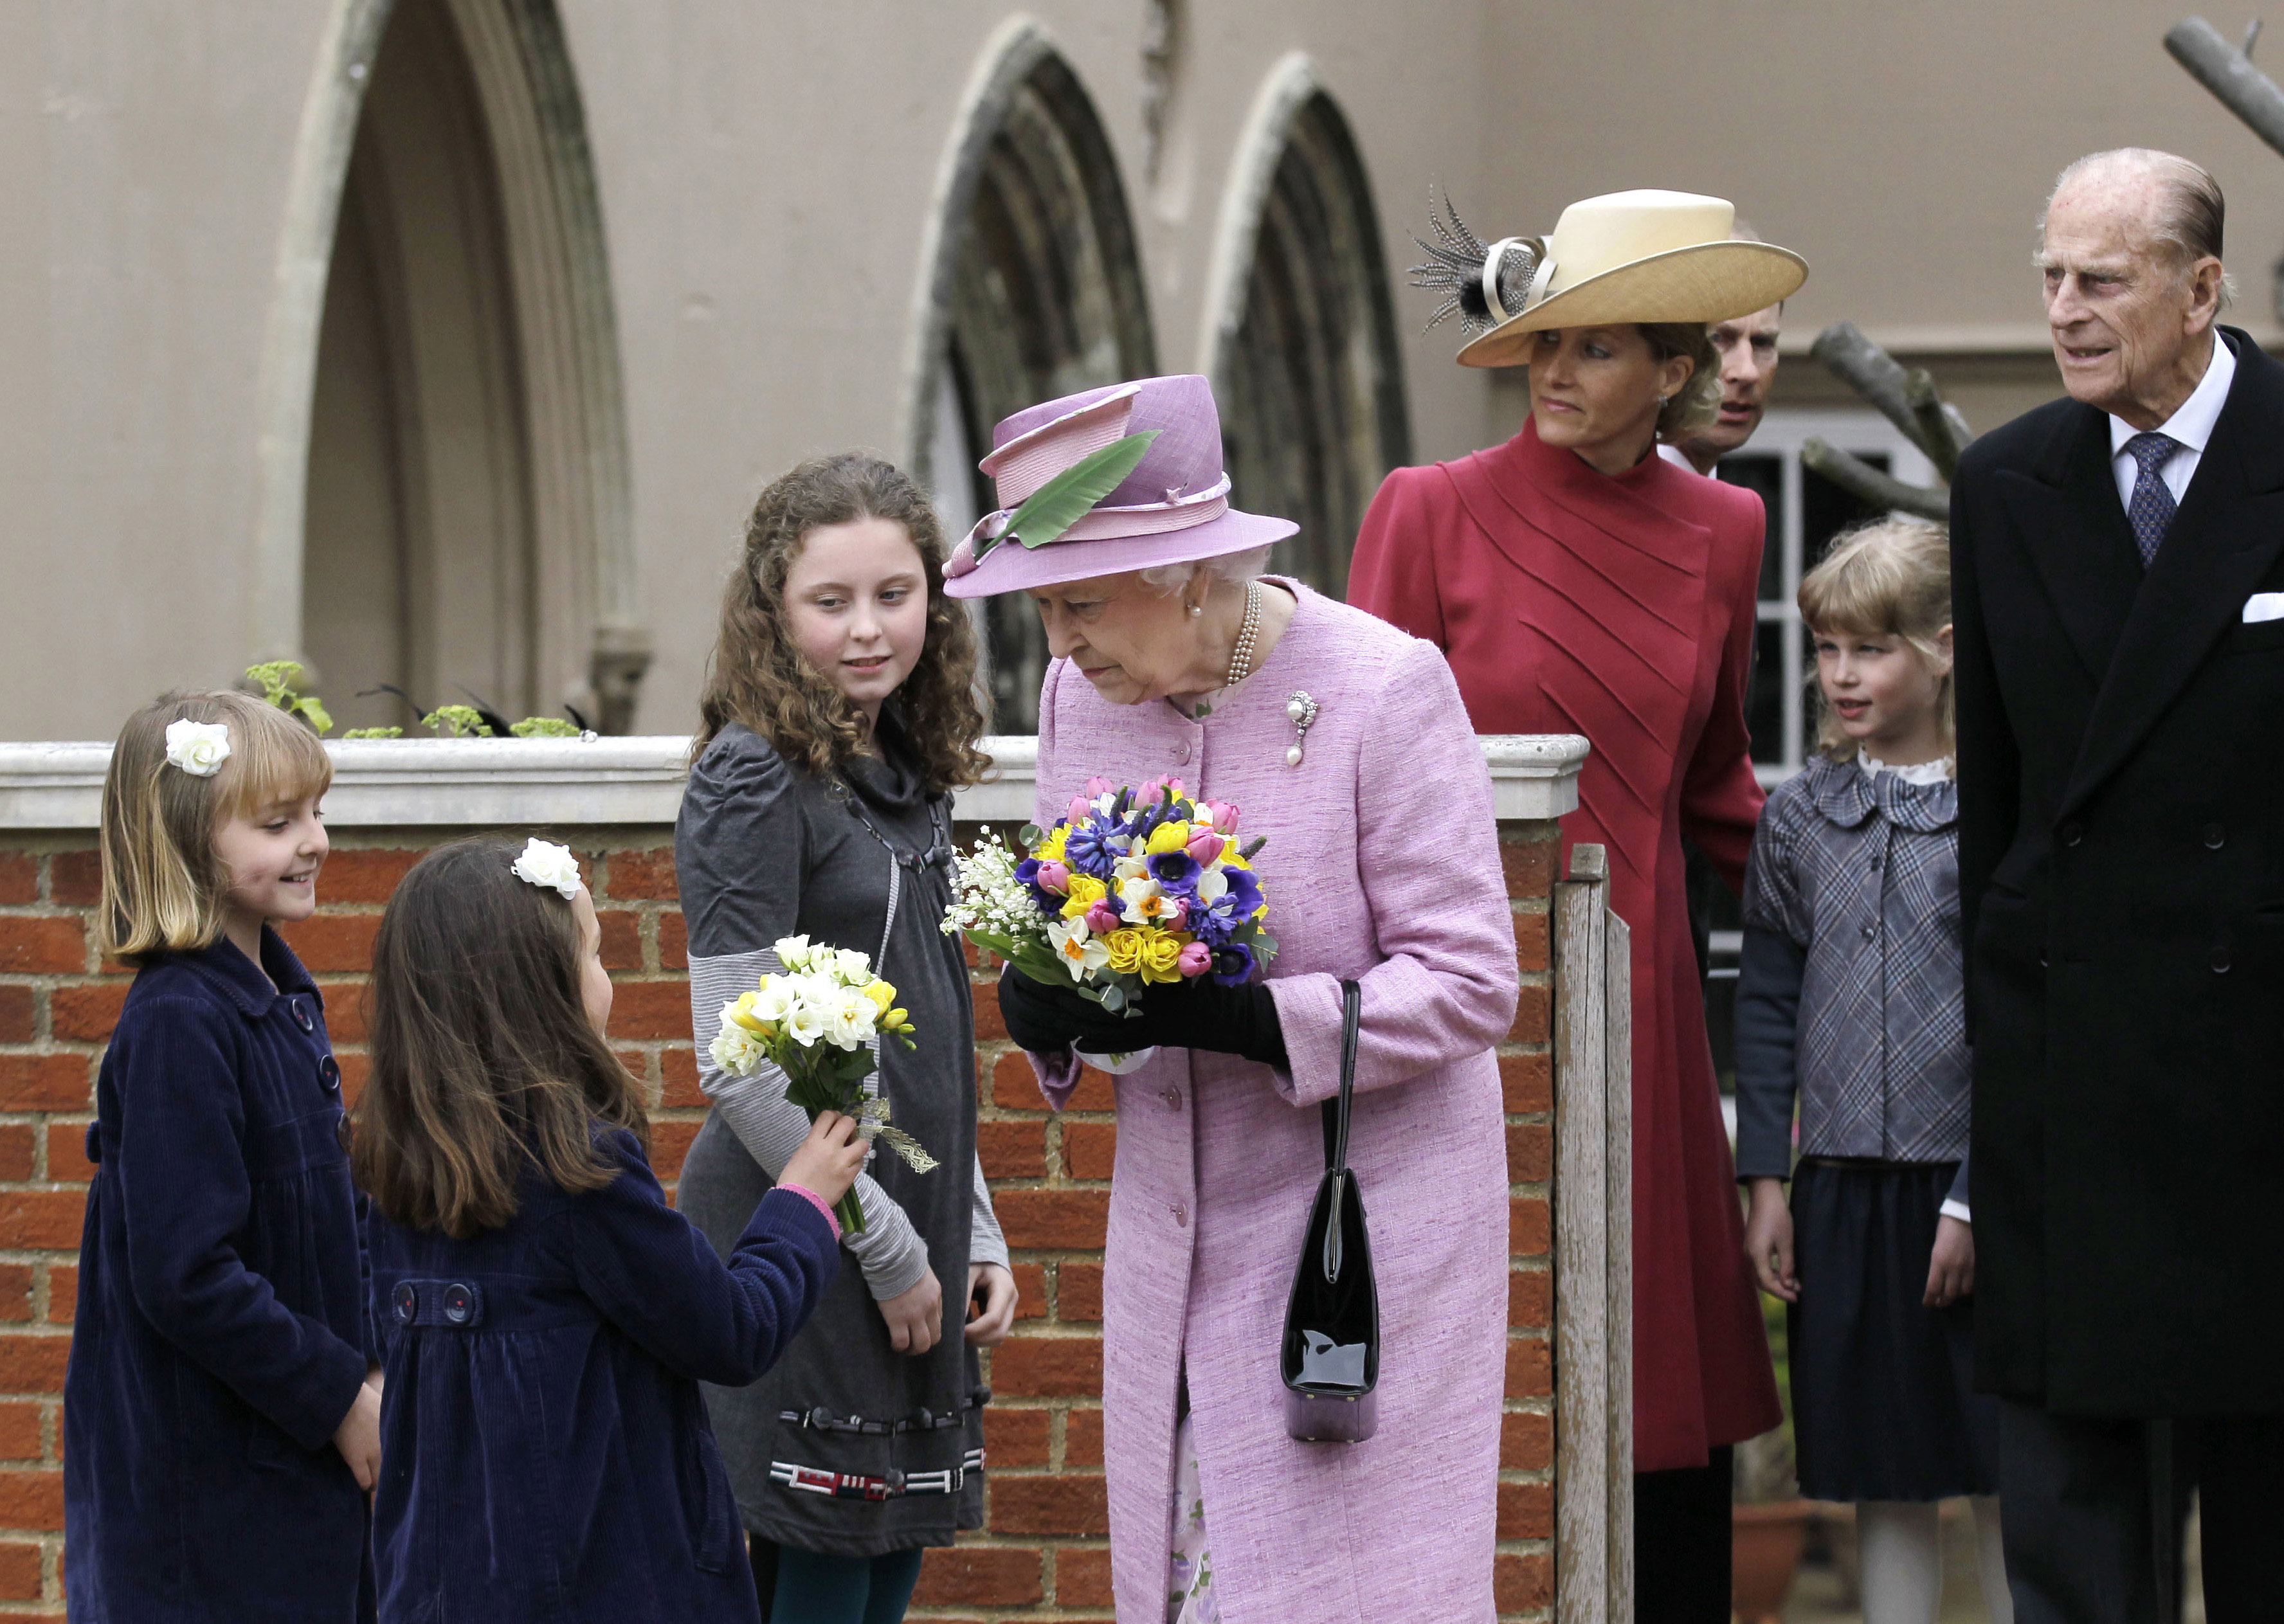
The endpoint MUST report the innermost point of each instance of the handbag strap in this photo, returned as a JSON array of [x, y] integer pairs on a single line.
[[1334, 1114]]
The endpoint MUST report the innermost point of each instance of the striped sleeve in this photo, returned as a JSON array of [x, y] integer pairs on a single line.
[[740, 857]]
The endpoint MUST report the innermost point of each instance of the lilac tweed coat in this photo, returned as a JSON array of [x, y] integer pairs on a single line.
[[1382, 864]]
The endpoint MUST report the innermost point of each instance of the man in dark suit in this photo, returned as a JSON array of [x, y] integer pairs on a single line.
[[2119, 572]]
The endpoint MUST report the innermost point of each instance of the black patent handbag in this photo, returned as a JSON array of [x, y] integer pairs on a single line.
[[1331, 1356]]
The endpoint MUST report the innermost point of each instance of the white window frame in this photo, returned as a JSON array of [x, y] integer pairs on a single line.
[[1782, 432]]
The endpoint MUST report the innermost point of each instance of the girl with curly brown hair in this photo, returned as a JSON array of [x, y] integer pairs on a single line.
[[839, 715]]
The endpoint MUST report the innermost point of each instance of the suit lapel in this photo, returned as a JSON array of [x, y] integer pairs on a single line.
[[2224, 539], [2077, 537]]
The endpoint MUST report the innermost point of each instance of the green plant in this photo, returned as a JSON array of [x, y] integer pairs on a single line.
[[1764, 1469], [544, 727], [374, 733], [278, 678], [457, 722]]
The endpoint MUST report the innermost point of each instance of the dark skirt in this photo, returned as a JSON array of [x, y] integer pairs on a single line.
[[1883, 1392]]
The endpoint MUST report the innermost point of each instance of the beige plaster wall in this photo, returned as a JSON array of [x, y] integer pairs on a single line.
[[767, 172]]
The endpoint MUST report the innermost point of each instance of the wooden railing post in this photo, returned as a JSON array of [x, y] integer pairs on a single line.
[[1593, 1250]]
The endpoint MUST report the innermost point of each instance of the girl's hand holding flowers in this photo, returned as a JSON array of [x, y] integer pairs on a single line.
[[816, 1022], [830, 1159]]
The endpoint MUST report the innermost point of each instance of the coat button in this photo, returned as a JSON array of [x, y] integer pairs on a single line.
[[459, 1303], [329, 1073], [2072, 832], [341, 1132], [301, 1015], [1181, 1216], [1871, 931], [407, 1301], [1173, 1099], [2220, 961], [1182, 751], [2215, 837]]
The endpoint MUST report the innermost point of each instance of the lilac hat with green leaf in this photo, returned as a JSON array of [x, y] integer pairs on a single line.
[[1116, 479]]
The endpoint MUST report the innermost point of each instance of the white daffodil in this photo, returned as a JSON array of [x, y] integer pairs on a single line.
[[549, 866], [1126, 870], [1079, 950], [199, 748]]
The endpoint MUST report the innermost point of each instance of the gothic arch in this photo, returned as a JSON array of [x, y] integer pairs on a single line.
[[444, 465], [1300, 337], [1032, 289]]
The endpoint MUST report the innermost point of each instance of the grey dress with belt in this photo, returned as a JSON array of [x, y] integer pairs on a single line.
[[845, 1446]]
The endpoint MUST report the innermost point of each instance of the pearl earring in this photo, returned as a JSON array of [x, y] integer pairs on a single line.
[[1196, 610]]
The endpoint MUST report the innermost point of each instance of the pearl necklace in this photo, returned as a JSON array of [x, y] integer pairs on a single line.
[[1240, 657]]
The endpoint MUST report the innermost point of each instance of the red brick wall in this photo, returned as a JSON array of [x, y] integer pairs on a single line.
[[1043, 1554]]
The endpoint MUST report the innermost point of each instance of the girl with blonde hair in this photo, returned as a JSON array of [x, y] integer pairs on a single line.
[[224, 1428], [1849, 997]]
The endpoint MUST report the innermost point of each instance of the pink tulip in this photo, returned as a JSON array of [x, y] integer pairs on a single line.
[[1205, 846], [1174, 784], [1098, 787], [1222, 815], [1079, 810], [1148, 793], [1196, 959], [1179, 920], [1101, 918], [1055, 877]]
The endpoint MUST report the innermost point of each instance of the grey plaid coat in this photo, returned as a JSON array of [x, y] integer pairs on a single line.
[[1850, 991]]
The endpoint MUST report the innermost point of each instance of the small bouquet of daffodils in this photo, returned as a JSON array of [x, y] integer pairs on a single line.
[[1129, 890], [819, 1022]]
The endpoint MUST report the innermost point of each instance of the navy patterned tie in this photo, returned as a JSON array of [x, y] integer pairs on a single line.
[[2153, 507]]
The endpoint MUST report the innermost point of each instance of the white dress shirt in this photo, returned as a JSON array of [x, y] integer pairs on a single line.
[[2192, 426], [1673, 454]]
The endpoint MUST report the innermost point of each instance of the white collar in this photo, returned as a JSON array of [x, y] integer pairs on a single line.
[[1937, 771], [2192, 424]]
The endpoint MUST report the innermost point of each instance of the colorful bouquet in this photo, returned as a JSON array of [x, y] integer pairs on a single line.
[[1129, 891], [817, 1023]]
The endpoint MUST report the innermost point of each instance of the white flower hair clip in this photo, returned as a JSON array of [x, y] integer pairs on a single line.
[[199, 748], [549, 866]]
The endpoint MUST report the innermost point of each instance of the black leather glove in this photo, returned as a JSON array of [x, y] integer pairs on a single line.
[[1198, 1013], [1045, 1019]]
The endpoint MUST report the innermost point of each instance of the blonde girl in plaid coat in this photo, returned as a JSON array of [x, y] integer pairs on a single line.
[[1850, 1002]]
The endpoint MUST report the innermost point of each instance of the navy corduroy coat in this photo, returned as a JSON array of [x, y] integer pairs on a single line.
[[545, 1453], [220, 1334]]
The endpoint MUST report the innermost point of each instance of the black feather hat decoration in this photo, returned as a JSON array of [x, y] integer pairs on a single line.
[[1455, 268]]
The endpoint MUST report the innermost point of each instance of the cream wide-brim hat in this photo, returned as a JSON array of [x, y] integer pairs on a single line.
[[1639, 256]]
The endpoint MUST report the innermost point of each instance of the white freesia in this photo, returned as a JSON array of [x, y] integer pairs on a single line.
[[549, 866], [852, 1020], [804, 1023], [773, 998], [199, 748], [735, 1049], [853, 967], [792, 951]]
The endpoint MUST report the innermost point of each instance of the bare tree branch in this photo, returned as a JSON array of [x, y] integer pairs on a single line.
[[2229, 74], [1875, 375], [1860, 480], [1942, 434]]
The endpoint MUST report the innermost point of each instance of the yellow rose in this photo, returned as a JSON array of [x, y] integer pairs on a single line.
[[881, 992], [1085, 892], [1160, 956], [1126, 949], [1167, 838]]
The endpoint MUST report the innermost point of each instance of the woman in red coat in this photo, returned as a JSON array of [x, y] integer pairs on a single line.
[[1578, 583]]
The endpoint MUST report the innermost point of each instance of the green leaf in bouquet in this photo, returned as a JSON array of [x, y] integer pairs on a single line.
[[1114, 998], [1253, 848], [1071, 495], [1031, 835]]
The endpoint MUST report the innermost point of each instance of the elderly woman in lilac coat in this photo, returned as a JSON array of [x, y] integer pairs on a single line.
[[1344, 742]]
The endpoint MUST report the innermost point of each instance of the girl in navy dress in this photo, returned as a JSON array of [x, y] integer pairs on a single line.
[[544, 1317], [1849, 997], [224, 1425]]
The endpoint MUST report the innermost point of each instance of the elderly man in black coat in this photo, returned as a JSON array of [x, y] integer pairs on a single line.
[[2118, 564]]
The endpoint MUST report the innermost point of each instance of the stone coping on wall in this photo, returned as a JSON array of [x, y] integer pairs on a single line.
[[400, 782]]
